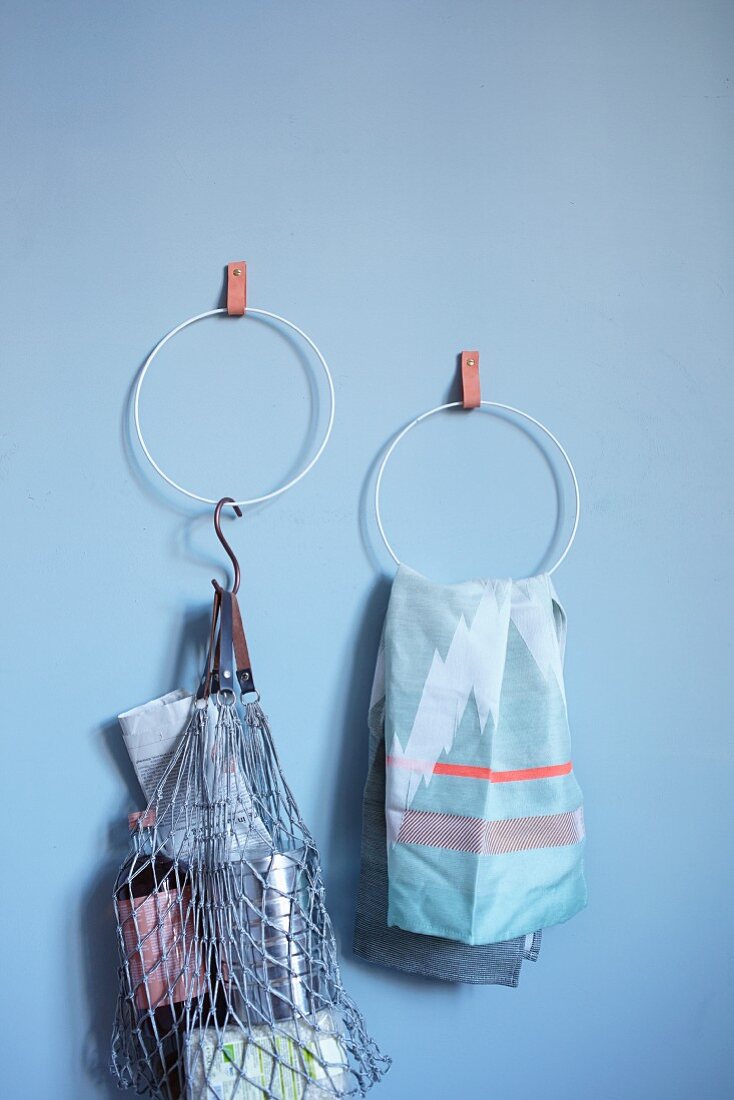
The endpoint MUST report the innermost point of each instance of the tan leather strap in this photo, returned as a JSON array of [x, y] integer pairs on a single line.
[[470, 379], [236, 288], [241, 652]]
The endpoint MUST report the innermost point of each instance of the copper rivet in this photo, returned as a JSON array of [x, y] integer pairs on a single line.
[[237, 271], [470, 362]]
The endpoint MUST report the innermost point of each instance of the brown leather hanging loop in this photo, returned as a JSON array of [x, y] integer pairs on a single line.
[[236, 288], [241, 652], [471, 392]]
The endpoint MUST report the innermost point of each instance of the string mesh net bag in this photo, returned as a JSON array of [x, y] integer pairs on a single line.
[[229, 981]]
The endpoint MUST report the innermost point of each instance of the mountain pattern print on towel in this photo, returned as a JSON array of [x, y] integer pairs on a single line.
[[484, 820]]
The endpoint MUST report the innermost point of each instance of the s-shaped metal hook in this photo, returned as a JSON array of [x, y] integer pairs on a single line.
[[225, 544]]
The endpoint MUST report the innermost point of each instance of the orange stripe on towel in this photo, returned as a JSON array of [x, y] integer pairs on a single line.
[[468, 771]]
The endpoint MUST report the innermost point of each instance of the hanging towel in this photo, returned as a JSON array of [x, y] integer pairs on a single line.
[[484, 817], [429, 956]]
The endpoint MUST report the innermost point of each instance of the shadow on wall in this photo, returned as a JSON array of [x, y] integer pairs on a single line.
[[98, 931], [341, 850], [97, 927]]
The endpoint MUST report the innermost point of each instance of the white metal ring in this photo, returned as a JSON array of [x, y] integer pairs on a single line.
[[288, 484], [487, 405]]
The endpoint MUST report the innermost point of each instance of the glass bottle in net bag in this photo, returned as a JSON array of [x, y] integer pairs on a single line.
[[156, 919], [267, 956], [281, 1035]]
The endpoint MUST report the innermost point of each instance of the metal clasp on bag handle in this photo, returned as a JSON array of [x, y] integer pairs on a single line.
[[225, 690], [232, 660]]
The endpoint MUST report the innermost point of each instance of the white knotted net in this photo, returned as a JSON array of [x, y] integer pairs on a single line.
[[229, 981]]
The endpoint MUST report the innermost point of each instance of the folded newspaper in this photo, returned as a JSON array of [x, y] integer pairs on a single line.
[[152, 733]]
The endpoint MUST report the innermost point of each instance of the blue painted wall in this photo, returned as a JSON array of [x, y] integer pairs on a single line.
[[549, 182]]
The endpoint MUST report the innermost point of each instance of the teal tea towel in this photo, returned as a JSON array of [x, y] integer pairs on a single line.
[[484, 817], [429, 956]]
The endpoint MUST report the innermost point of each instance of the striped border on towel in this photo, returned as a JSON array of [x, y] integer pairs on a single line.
[[470, 771], [491, 838]]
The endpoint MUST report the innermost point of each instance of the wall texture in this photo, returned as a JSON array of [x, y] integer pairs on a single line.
[[548, 181]]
